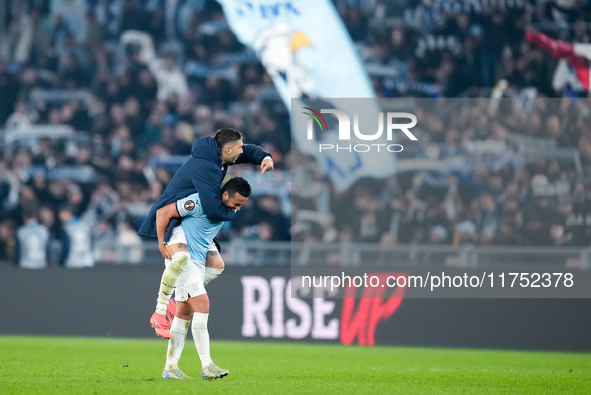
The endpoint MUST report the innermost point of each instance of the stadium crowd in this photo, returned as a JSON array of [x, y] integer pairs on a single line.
[[124, 112], [513, 178]]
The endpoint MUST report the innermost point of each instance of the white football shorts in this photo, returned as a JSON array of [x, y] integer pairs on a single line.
[[178, 236], [190, 282]]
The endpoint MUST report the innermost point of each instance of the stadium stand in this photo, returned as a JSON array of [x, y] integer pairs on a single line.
[[100, 114]]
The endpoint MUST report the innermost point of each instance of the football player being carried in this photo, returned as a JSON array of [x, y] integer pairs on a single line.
[[202, 173], [191, 241]]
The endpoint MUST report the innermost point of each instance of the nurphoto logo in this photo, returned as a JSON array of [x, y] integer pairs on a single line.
[[392, 120]]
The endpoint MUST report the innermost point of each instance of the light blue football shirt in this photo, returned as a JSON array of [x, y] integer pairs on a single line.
[[199, 230]]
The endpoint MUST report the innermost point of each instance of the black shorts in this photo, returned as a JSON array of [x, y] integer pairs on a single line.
[[218, 246]]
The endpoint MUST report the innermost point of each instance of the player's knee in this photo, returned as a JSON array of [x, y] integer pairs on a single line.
[[183, 310], [185, 316], [179, 261], [202, 305], [205, 306], [215, 262]]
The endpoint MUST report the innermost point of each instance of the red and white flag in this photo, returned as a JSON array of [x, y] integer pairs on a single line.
[[577, 55]]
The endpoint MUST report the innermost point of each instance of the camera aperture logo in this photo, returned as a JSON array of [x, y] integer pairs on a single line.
[[344, 130]]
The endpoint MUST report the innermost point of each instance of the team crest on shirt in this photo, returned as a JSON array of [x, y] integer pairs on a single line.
[[189, 205]]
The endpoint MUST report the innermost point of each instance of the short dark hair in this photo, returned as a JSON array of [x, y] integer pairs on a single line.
[[67, 207], [237, 185], [227, 135], [29, 213]]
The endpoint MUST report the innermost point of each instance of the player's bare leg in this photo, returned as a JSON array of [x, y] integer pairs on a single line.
[[200, 306], [180, 258], [214, 266], [178, 329]]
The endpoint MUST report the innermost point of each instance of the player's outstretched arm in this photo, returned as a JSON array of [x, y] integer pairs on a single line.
[[163, 217], [252, 154]]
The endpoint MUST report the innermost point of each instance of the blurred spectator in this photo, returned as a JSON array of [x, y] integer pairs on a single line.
[[465, 233], [171, 81], [20, 118], [76, 240], [32, 242], [9, 86], [7, 240], [438, 235], [17, 43], [47, 218], [93, 35], [130, 245], [133, 17]]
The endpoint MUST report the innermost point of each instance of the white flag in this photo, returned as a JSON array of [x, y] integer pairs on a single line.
[[305, 48]]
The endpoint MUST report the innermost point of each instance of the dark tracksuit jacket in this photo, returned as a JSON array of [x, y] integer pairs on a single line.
[[203, 173]]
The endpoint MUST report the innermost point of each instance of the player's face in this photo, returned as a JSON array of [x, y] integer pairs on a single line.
[[234, 202], [233, 151]]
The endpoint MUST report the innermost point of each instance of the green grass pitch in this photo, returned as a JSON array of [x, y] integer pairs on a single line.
[[38, 365]]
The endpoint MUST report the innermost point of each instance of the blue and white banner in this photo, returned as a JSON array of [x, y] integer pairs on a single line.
[[306, 49]]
